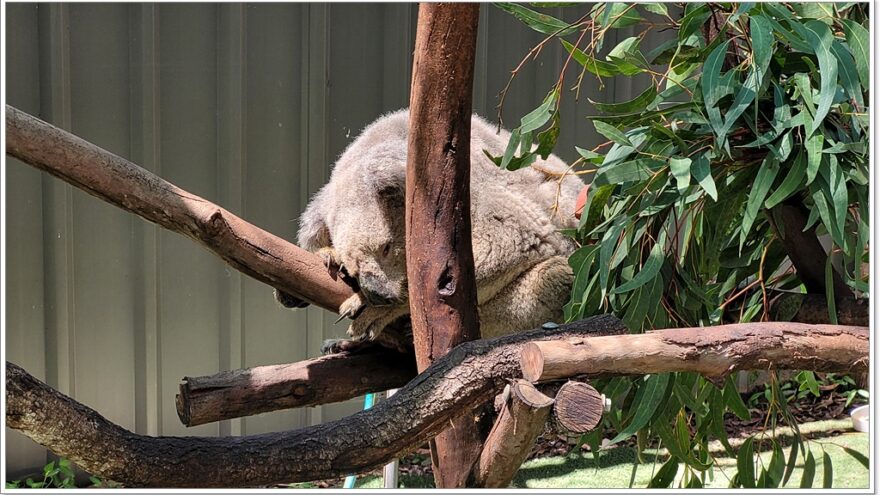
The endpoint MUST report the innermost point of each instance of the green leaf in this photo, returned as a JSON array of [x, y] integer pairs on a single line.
[[814, 155], [612, 133], [829, 291], [746, 465], [596, 201], [640, 102], [815, 10], [809, 471], [634, 170], [541, 23], [710, 84], [647, 398], [792, 461], [734, 401], [849, 78], [665, 475], [762, 43], [597, 67], [648, 271], [827, 470], [538, 117], [606, 250], [511, 148], [681, 171], [792, 183], [692, 22], [655, 8], [857, 39], [857, 456], [760, 188], [703, 175], [619, 15], [820, 38]]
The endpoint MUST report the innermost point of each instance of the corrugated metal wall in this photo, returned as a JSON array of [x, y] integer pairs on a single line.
[[246, 105]]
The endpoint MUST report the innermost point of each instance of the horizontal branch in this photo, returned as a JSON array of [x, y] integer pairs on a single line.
[[451, 387], [244, 246], [714, 352], [322, 380], [813, 308]]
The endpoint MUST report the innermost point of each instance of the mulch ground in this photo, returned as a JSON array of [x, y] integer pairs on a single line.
[[828, 405]]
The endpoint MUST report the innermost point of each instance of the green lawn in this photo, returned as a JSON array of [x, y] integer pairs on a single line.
[[615, 467]]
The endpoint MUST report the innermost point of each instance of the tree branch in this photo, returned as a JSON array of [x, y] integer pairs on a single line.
[[452, 386], [714, 352], [244, 246], [323, 380]]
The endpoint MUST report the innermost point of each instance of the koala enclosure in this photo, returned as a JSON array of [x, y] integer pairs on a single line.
[[268, 258]]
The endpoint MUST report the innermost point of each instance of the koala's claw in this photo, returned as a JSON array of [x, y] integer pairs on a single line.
[[289, 301], [331, 260], [352, 307], [335, 346]]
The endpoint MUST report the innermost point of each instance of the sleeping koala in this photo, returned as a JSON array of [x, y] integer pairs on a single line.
[[356, 224]]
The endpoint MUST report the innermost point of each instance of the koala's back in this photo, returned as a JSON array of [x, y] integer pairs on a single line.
[[384, 143]]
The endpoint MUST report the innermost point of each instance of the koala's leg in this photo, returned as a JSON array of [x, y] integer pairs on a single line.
[[534, 298], [397, 335]]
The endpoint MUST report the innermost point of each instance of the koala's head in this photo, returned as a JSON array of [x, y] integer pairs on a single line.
[[363, 214]]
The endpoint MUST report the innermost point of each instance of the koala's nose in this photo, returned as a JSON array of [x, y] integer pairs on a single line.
[[375, 289]]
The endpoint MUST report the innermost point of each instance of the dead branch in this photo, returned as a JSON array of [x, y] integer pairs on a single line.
[[439, 256], [513, 435], [246, 247], [322, 380], [714, 352], [452, 386]]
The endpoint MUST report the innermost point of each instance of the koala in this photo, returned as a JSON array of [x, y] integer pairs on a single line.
[[356, 224]]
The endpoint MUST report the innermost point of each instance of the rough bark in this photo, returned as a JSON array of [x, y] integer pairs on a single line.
[[513, 435], [714, 352], [439, 256], [805, 251], [579, 407], [246, 247], [456, 383], [323, 380]]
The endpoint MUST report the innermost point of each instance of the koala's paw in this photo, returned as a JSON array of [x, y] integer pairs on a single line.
[[335, 346], [331, 260], [352, 307], [374, 319], [289, 301]]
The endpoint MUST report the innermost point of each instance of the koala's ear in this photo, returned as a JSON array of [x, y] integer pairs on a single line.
[[313, 231], [390, 186]]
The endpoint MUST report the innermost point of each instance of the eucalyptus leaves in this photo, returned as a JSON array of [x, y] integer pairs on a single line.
[[751, 106]]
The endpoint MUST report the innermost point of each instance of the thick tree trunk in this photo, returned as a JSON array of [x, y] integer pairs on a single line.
[[513, 435], [714, 352], [246, 247], [323, 380], [439, 256], [471, 374]]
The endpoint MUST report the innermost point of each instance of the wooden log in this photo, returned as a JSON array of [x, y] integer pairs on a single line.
[[513, 435], [578, 407], [439, 255], [244, 246], [323, 380], [460, 381], [714, 352]]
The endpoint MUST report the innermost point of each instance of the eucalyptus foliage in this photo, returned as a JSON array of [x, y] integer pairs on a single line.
[[748, 106]]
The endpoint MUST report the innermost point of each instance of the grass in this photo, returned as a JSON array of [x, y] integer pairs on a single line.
[[616, 469]]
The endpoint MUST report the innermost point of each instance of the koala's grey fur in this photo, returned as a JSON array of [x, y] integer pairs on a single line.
[[356, 223]]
